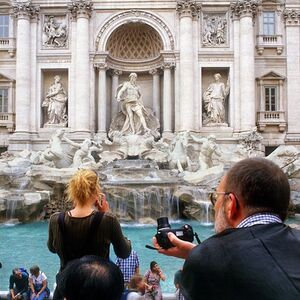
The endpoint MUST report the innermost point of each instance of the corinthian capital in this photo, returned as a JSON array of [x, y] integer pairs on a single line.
[[245, 8], [25, 10], [188, 8], [101, 66], [82, 8], [291, 16]]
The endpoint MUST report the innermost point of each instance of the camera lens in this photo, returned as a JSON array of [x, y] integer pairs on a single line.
[[162, 223]]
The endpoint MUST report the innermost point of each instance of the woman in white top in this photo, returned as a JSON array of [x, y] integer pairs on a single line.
[[38, 284]]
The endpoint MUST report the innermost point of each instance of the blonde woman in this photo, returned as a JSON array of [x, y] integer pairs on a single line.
[[89, 228]]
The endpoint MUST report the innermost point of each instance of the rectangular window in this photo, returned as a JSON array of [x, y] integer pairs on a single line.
[[3, 100], [269, 22], [271, 98], [4, 26]]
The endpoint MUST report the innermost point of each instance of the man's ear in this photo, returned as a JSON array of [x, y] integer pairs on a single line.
[[233, 209]]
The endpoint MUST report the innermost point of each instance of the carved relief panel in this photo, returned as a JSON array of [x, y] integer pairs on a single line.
[[55, 32], [214, 30]]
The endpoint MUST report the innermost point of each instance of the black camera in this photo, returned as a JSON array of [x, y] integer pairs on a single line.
[[184, 233]]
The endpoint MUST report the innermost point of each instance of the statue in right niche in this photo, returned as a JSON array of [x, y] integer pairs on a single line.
[[214, 101]]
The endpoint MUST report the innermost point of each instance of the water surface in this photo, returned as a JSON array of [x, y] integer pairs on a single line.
[[26, 245]]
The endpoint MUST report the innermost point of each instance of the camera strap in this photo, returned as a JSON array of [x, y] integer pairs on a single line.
[[197, 237]]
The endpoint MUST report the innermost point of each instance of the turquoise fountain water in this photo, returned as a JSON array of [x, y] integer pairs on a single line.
[[26, 245]]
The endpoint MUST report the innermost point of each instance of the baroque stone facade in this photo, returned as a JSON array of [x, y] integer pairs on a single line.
[[178, 48]]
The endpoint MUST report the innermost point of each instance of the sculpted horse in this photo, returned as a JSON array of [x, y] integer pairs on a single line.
[[178, 158]]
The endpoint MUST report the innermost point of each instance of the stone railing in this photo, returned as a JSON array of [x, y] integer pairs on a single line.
[[7, 120], [269, 41], [271, 118], [8, 44]]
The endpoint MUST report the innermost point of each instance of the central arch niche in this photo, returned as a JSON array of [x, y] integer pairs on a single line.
[[134, 41]]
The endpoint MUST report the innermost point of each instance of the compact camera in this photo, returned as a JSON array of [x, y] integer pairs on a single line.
[[184, 233]]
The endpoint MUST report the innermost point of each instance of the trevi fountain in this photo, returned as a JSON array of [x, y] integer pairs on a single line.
[[143, 174]]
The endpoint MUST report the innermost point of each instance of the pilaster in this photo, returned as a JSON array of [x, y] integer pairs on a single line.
[[246, 11], [292, 23]]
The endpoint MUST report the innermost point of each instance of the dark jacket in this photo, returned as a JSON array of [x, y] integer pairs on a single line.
[[258, 262]]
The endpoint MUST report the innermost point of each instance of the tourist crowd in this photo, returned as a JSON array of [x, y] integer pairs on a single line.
[[253, 255]]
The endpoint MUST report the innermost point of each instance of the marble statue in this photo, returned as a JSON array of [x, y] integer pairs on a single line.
[[131, 103], [157, 151], [250, 143], [209, 148], [214, 33], [134, 118], [214, 101], [83, 154], [54, 155], [178, 157], [55, 33], [55, 102]]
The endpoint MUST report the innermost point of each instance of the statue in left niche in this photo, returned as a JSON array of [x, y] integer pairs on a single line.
[[55, 33], [56, 103]]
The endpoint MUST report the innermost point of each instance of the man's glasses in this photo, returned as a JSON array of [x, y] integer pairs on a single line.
[[213, 196]]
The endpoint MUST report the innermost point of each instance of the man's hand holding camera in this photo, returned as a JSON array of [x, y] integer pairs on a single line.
[[174, 242], [181, 248]]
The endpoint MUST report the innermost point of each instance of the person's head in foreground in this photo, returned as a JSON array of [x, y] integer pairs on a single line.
[[91, 278], [254, 185]]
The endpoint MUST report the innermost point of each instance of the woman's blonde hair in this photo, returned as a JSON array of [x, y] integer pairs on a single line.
[[82, 186]]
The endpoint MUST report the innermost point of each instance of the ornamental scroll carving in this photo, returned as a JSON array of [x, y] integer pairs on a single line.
[[245, 7], [215, 28]]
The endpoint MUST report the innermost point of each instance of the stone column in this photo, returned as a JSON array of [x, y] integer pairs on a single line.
[[72, 76], [167, 98], [115, 83], [196, 93], [155, 92], [235, 85], [246, 11], [81, 9], [186, 10], [102, 103], [35, 103], [292, 23], [23, 12]]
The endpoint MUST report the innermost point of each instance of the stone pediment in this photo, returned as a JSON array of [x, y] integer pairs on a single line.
[[271, 75], [4, 78]]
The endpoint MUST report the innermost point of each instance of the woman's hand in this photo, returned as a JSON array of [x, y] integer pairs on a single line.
[[102, 203]]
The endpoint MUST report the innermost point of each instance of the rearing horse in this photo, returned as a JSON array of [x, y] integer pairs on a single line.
[[178, 157]]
